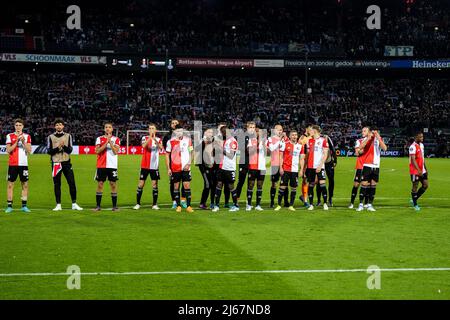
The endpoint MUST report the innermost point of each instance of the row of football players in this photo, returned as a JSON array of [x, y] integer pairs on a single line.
[[292, 157]]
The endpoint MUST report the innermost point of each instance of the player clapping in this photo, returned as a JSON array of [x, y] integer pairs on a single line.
[[372, 146], [178, 161], [18, 146], [257, 169], [315, 172], [151, 145], [292, 155], [107, 149]]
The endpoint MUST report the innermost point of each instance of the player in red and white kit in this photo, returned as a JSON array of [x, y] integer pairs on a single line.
[[226, 172], [257, 147], [417, 169], [317, 153], [151, 146], [178, 161], [273, 144], [292, 156], [372, 146], [358, 171], [18, 146], [107, 149]]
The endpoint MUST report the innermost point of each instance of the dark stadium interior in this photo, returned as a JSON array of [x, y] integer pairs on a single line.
[[341, 101]]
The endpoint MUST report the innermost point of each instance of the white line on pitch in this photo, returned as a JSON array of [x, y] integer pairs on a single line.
[[47, 274]]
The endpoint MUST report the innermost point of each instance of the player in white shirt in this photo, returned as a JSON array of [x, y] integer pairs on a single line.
[[226, 173], [107, 150], [317, 154], [179, 154], [18, 146], [151, 146]]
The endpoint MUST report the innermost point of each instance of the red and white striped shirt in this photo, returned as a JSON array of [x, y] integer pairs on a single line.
[[107, 158], [180, 153], [359, 159], [226, 163], [373, 153], [150, 157], [316, 149], [19, 156], [291, 155], [273, 144], [257, 153], [417, 150]]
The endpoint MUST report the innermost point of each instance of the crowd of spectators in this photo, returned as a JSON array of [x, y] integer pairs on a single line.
[[329, 26], [341, 106]]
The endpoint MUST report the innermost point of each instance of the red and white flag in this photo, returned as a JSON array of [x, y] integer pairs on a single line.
[[56, 169]]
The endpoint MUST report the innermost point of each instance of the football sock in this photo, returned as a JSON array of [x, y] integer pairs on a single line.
[[420, 192], [273, 192], [286, 199], [234, 197], [280, 196], [414, 198], [176, 196], [354, 193], [323, 188], [293, 195], [138, 195], [258, 196], [311, 194], [187, 192], [155, 196], [249, 197], [114, 199], [372, 194], [98, 198], [217, 196]]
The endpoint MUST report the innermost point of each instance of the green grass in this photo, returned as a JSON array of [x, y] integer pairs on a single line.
[[393, 237]]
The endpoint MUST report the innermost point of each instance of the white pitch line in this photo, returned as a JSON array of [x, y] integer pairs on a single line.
[[49, 274]]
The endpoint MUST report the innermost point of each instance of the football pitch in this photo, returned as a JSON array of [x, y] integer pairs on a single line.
[[149, 254]]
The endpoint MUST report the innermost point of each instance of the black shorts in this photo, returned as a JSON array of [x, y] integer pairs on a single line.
[[415, 177], [358, 176], [14, 171], [226, 176], [103, 173], [370, 174], [311, 175], [154, 174], [275, 174], [256, 175], [289, 179], [182, 176]]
